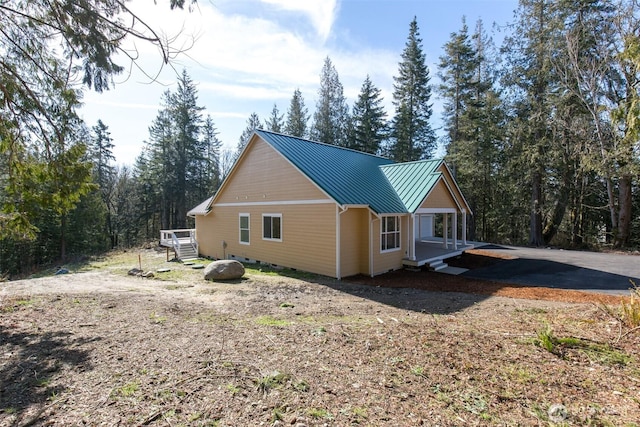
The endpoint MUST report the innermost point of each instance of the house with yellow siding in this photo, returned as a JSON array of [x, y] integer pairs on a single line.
[[329, 210]]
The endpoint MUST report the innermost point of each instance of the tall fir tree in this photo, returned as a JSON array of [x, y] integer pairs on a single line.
[[186, 116], [212, 146], [331, 117], [368, 120], [473, 120], [253, 123], [297, 116], [275, 122], [100, 152], [412, 137], [530, 82]]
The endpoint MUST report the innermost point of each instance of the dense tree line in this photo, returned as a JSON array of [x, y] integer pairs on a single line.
[[542, 134]]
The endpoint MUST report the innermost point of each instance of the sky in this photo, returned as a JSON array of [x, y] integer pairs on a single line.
[[247, 55]]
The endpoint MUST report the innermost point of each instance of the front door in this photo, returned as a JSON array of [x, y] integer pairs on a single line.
[[424, 230]]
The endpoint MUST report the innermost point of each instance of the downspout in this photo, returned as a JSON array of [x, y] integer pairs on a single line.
[[338, 243], [339, 211], [373, 217]]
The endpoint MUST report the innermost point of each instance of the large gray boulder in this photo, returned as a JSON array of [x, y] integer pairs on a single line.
[[225, 269]]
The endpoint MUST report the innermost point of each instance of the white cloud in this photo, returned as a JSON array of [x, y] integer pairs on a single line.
[[243, 61], [321, 13]]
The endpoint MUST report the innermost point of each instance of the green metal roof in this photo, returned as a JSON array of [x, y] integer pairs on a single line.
[[413, 181], [350, 177]]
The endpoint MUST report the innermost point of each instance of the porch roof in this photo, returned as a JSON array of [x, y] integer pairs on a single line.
[[413, 181]]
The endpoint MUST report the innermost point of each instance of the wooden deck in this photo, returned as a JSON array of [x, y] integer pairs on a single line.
[[183, 242]]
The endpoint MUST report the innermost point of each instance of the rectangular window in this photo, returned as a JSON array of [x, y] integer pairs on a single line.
[[390, 233], [272, 227], [244, 228]]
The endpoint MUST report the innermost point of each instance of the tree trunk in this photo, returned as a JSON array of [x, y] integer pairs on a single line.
[[624, 212], [63, 239], [535, 236]]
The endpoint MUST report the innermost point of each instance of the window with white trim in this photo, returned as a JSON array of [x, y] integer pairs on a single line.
[[272, 227], [390, 233], [244, 223]]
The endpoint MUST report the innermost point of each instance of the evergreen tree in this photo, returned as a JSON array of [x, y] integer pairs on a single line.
[[297, 116], [101, 154], [457, 72], [474, 120], [51, 52], [412, 135], [368, 125], [253, 123], [186, 116], [330, 119], [211, 176], [275, 123], [530, 81]]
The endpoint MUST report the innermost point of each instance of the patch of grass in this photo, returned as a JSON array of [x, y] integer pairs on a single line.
[[286, 305], [129, 389], [268, 270], [475, 403], [418, 371], [319, 413], [233, 389], [301, 385], [271, 381], [157, 320], [277, 414], [630, 310], [271, 321], [321, 330], [597, 352], [359, 412]]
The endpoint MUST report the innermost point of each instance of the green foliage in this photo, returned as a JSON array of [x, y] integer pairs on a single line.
[[271, 381], [597, 352], [630, 309], [331, 116], [368, 125], [297, 116], [253, 123], [412, 135], [275, 122]]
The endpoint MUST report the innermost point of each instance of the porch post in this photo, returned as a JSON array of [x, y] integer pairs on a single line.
[[412, 238], [454, 227], [445, 230], [464, 228]]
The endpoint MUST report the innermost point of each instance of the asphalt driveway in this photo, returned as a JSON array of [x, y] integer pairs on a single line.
[[557, 268]]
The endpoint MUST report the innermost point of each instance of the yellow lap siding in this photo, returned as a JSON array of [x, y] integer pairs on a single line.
[[308, 236], [440, 197], [264, 175], [392, 260], [354, 246]]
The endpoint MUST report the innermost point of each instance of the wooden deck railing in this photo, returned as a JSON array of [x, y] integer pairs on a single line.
[[176, 239]]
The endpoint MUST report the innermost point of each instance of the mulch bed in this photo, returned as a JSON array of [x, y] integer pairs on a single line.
[[441, 282]]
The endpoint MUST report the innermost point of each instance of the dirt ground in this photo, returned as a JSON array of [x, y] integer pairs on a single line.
[[98, 347]]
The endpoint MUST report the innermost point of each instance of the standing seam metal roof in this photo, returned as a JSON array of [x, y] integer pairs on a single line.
[[413, 181], [354, 178]]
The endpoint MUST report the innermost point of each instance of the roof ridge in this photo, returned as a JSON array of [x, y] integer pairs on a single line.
[[324, 144], [412, 162]]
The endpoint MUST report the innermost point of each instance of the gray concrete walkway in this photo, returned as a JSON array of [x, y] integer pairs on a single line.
[[557, 268]]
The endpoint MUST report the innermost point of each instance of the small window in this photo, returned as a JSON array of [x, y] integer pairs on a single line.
[[244, 228], [272, 227], [390, 234]]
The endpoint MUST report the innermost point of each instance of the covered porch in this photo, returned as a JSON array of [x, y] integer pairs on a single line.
[[436, 234]]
